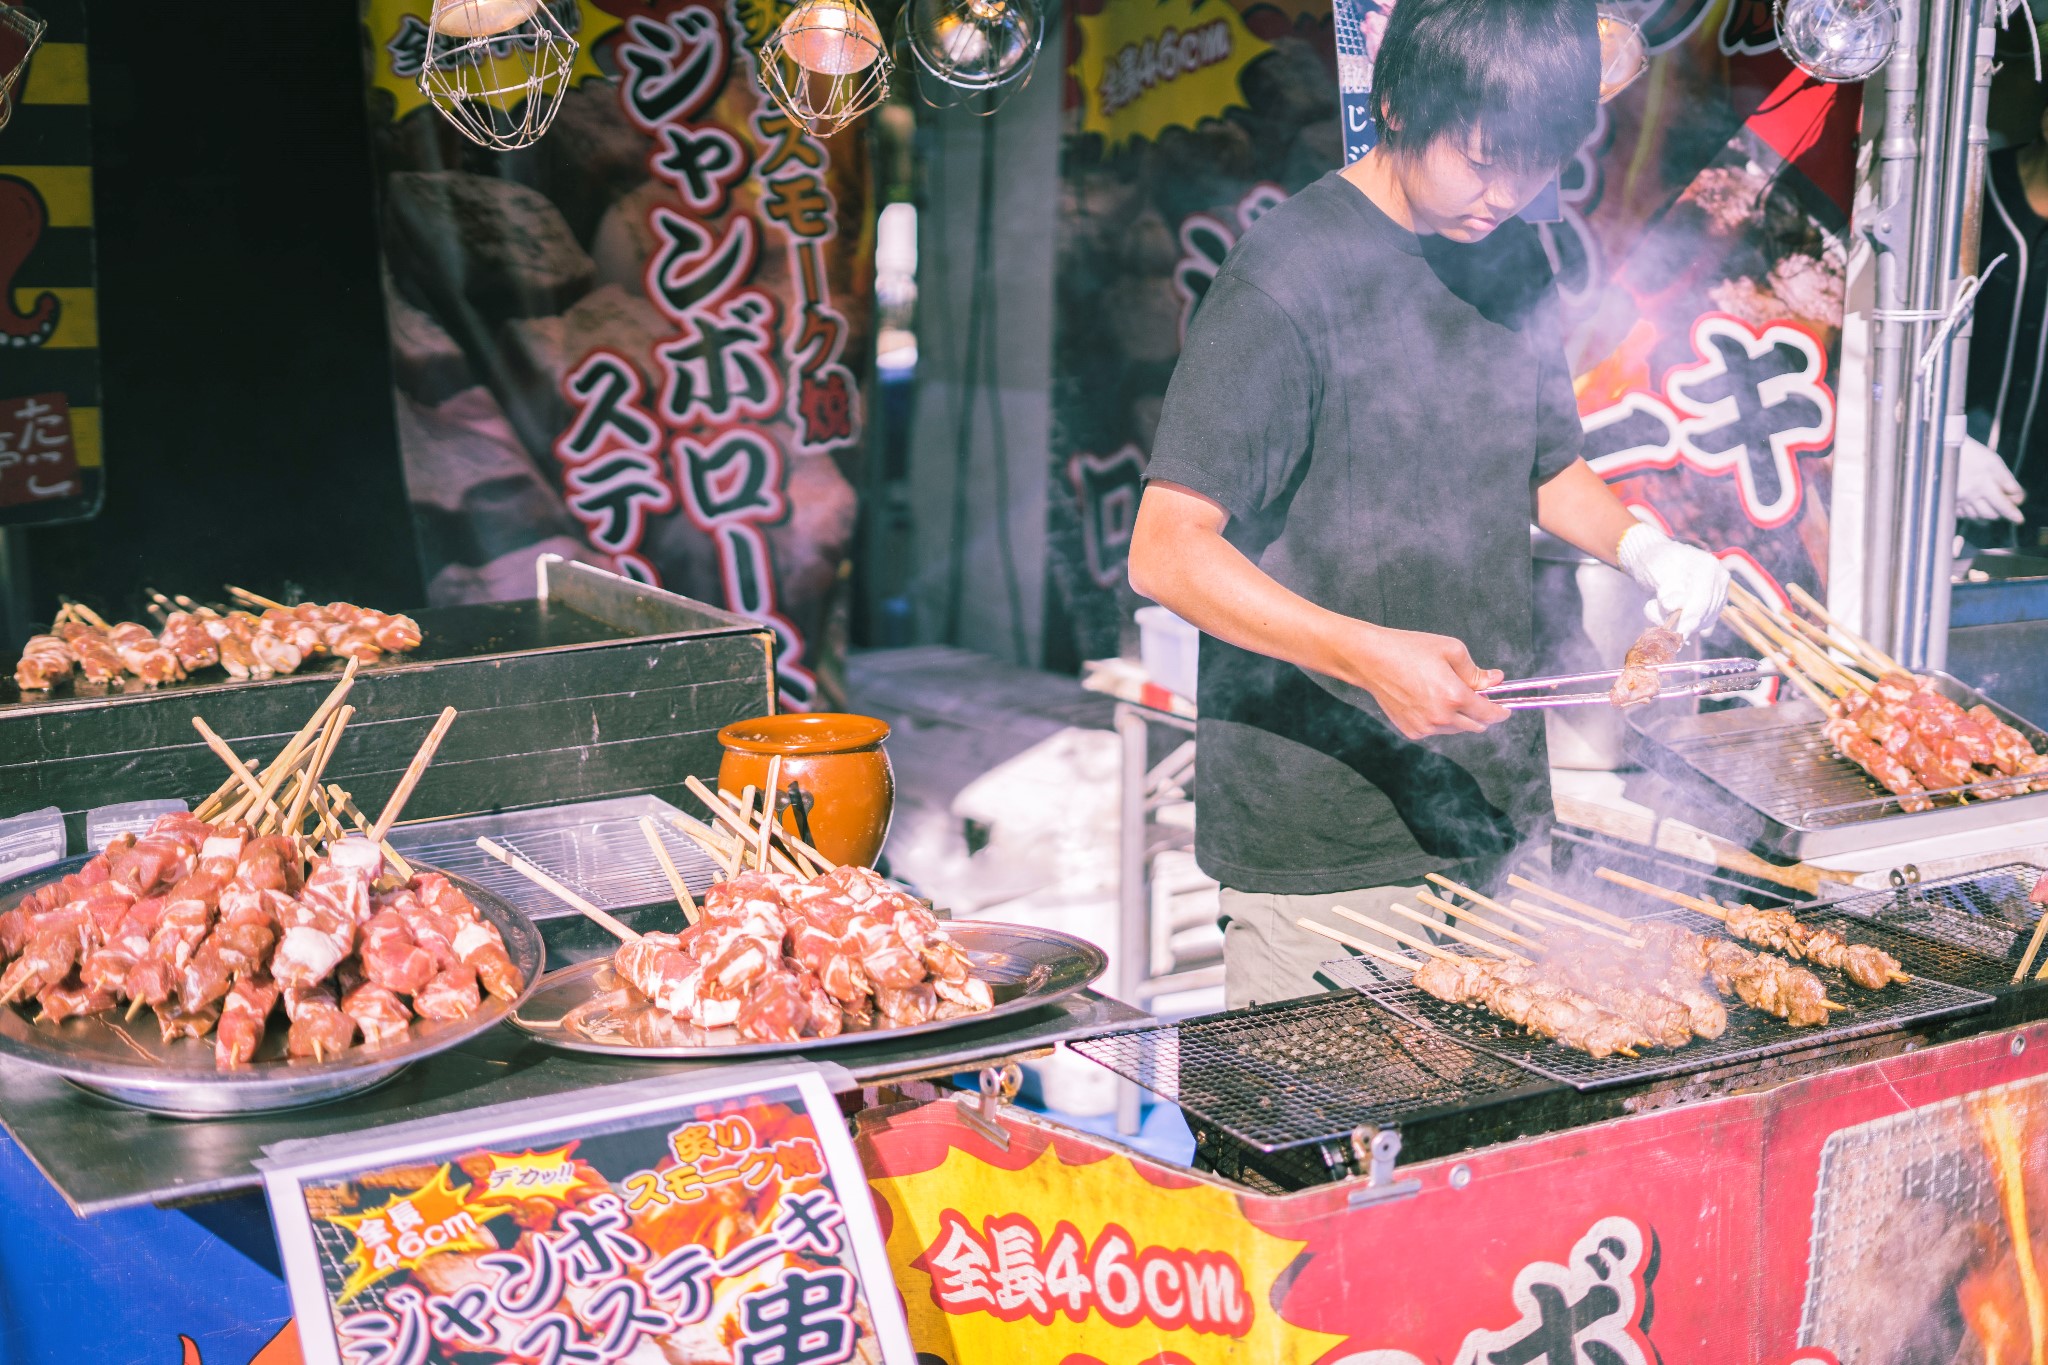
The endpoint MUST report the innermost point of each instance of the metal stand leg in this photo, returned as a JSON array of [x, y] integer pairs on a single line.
[[1134, 940]]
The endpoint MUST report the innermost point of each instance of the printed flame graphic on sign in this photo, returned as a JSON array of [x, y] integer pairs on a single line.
[[408, 1229], [1130, 1239], [2002, 1299]]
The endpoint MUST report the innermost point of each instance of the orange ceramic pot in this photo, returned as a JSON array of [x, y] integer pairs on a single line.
[[833, 763]]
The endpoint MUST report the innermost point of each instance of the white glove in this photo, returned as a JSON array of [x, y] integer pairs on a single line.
[[1985, 488], [1680, 578]]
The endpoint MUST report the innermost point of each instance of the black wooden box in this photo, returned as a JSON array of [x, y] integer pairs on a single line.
[[599, 686]]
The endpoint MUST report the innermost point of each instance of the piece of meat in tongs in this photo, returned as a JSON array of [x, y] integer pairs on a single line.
[[1640, 681]]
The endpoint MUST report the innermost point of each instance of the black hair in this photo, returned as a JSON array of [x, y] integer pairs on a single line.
[[1525, 73]]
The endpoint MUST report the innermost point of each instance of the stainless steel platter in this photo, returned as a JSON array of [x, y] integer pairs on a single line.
[[1025, 967], [130, 1063]]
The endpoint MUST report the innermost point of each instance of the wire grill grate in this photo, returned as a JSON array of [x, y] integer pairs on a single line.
[[1987, 912], [608, 861], [1751, 1034], [1304, 1071]]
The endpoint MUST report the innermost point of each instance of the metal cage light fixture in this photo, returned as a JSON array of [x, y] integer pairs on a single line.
[[970, 53], [497, 69], [1837, 41], [1624, 52], [18, 28], [826, 65]]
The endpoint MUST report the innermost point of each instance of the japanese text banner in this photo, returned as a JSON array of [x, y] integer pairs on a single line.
[[638, 343]]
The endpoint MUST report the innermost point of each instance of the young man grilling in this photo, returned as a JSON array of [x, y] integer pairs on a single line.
[[1371, 407]]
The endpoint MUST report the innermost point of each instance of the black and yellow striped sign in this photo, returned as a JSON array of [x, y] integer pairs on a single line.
[[49, 327]]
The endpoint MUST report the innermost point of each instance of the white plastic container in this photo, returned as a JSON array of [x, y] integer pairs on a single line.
[[1169, 648]]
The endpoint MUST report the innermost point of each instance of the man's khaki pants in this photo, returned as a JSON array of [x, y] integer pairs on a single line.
[[1268, 957]]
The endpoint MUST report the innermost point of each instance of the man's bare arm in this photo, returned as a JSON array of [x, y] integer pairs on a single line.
[[1180, 559], [1577, 506]]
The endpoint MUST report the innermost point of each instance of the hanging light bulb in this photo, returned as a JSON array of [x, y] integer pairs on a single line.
[[1837, 40], [826, 65], [21, 31], [1624, 53], [973, 52], [501, 86], [831, 37], [481, 18]]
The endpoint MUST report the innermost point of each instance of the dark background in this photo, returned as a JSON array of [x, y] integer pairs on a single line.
[[246, 390]]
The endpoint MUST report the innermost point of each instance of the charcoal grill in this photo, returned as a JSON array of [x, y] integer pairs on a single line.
[[1948, 980], [1289, 1095], [1770, 766]]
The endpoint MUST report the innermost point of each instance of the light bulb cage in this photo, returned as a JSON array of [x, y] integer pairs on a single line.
[[29, 29], [942, 85], [1622, 30], [1778, 27], [504, 89], [825, 102]]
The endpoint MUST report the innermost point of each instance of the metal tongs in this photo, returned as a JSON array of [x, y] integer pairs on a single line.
[[1694, 678]]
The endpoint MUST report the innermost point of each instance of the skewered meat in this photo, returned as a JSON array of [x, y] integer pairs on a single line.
[[1520, 996], [186, 919], [1914, 741], [1779, 930], [186, 635], [45, 661], [319, 1028], [1759, 980], [243, 1019], [142, 654], [783, 959], [99, 663], [1639, 681]]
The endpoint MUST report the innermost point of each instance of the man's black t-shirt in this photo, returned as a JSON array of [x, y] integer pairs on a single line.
[[2006, 343], [1375, 411]]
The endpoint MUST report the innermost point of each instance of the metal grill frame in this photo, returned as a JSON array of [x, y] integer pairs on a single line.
[[1987, 911], [1299, 1073], [1751, 1036], [607, 861], [1774, 765]]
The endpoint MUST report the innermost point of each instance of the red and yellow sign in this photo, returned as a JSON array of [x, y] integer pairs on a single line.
[[407, 1230], [1144, 67]]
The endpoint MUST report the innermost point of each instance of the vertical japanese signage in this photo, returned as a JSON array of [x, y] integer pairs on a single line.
[[730, 1223], [640, 343], [50, 467]]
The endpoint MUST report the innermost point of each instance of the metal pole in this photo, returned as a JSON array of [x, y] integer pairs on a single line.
[[1951, 182], [1898, 153], [1134, 939]]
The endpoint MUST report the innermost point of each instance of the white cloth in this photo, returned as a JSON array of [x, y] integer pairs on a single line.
[[1680, 578], [1985, 488]]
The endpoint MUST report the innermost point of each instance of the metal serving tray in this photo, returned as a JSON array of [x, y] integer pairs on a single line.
[[131, 1064], [1025, 966], [1935, 992], [1769, 778]]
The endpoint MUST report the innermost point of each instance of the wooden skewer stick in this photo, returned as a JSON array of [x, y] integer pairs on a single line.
[[668, 868], [1786, 668], [544, 881], [1438, 926], [743, 824], [254, 599], [1577, 925], [87, 615], [413, 770], [1471, 895], [1815, 636], [1815, 664], [723, 805], [1369, 949], [1439, 903], [1791, 635], [1705, 907], [1421, 945], [235, 766], [715, 845], [768, 795], [746, 809], [346, 804], [1594, 912], [309, 780], [1869, 651], [297, 742], [2033, 947]]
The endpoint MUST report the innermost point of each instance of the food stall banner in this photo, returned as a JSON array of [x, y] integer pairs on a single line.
[[1879, 1213], [724, 1220], [50, 458], [1699, 240], [641, 342]]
